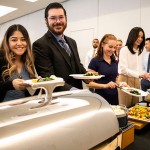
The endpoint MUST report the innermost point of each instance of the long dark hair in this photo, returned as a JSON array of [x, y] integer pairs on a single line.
[[132, 37], [27, 57]]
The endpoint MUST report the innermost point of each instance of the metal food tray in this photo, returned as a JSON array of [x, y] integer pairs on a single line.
[[138, 119]]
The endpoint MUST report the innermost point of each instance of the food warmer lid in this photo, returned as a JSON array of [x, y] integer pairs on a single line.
[[79, 120]]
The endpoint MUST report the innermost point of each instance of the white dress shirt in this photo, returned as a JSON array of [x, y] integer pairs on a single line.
[[88, 57], [130, 64]]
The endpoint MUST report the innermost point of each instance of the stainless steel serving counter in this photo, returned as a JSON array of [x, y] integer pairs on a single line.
[[74, 120]]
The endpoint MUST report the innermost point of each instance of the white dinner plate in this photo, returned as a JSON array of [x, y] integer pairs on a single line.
[[82, 76], [127, 90], [43, 82]]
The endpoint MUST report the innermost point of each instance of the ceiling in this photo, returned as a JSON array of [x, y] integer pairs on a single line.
[[24, 8]]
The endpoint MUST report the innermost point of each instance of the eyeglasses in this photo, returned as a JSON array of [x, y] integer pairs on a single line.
[[55, 18]]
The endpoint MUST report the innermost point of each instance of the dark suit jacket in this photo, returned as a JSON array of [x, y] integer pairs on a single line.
[[51, 59]]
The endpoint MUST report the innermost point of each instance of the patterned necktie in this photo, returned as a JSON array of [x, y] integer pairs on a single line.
[[65, 46], [148, 64], [93, 53]]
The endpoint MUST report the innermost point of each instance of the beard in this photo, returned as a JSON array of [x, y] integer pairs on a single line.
[[57, 28], [95, 46]]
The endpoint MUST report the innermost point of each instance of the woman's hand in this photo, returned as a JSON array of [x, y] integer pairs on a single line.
[[95, 85], [123, 84], [145, 76], [111, 85], [19, 84]]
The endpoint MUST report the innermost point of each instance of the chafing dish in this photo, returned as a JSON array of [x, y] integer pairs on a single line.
[[73, 120]]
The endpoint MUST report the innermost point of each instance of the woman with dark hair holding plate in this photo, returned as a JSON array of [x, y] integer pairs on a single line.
[[16, 63], [130, 64]]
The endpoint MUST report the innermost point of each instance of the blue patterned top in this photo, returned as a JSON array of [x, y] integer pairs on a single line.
[[16, 94]]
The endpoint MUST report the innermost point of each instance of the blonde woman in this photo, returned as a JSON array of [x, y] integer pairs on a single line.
[[16, 63], [105, 64], [118, 47]]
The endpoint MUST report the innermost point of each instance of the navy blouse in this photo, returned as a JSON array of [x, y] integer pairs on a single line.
[[111, 72]]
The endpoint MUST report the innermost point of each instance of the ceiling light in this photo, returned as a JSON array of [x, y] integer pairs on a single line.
[[31, 0], [5, 10]]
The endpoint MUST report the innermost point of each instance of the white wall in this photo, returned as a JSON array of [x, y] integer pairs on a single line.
[[88, 19], [34, 23], [118, 17], [82, 23]]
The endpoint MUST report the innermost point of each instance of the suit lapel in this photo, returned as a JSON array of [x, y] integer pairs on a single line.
[[59, 48], [73, 49]]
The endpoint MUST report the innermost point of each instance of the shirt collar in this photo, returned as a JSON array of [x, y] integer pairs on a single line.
[[57, 37], [102, 59]]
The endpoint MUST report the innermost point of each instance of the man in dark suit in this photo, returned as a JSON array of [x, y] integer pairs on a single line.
[[55, 53]]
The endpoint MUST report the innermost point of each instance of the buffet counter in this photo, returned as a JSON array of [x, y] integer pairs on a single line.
[[73, 120]]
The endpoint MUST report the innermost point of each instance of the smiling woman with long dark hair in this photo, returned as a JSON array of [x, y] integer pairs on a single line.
[[16, 63], [130, 62]]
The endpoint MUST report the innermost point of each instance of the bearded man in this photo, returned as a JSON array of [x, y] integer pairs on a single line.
[[55, 53]]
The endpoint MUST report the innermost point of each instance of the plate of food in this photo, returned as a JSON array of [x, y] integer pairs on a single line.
[[141, 113], [87, 76], [42, 81], [134, 91]]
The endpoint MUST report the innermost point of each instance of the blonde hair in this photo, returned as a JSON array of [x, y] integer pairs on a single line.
[[119, 40], [27, 57]]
